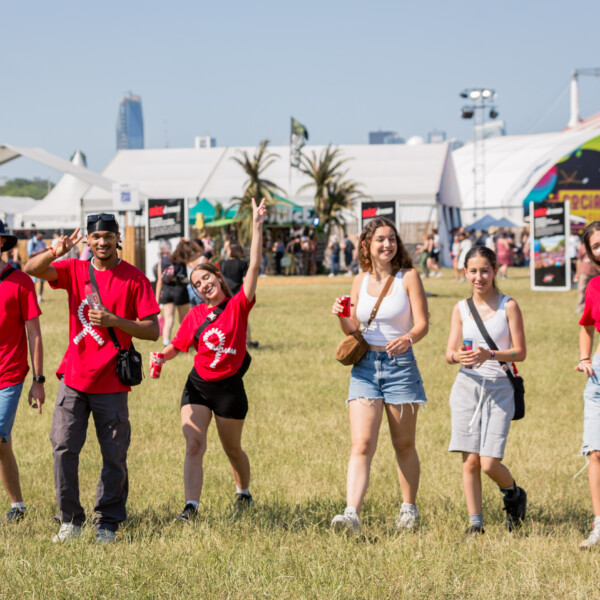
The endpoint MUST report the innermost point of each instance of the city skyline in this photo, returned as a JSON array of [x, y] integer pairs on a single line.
[[342, 69]]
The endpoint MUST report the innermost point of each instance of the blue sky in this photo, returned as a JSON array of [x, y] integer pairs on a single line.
[[238, 70]]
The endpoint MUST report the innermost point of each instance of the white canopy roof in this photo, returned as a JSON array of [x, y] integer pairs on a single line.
[[10, 205], [513, 166]]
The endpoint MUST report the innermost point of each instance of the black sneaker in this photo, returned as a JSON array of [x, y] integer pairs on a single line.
[[14, 515], [242, 502], [474, 530], [515, 509], [253, 344], [187, 514]]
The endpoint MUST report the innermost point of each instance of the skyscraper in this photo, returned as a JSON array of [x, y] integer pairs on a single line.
[[130, 124]]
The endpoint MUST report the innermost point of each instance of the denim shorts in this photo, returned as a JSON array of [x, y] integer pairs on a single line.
[[591, 410], [393, 378], [9, 400]]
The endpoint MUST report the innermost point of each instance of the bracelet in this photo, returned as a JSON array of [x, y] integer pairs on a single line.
[[410, 340], [492, 354], [51, 248], [585, 359], [453, 359]]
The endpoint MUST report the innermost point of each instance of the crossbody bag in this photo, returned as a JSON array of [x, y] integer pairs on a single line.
[[129, 360], [211, 317], [354, 346], [516, 380]]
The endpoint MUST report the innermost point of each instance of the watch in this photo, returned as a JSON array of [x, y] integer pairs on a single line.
[[39, 379]]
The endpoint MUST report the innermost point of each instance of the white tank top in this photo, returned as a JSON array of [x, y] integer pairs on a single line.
[[497, 328], [394, 317]]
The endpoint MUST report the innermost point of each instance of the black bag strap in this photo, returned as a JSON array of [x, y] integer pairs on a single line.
[[210, 318], [486, 335], [111, 331], [6, 273]]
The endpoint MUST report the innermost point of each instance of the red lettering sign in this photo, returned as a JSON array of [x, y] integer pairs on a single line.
[[156, 211]]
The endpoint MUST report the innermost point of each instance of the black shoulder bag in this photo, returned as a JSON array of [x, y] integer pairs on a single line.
[[516, 380], [210, 319], [129, 361]]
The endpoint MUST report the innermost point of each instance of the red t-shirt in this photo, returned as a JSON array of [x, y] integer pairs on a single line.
[[591, 310], [222, 345], [18, 304], [90, 362]]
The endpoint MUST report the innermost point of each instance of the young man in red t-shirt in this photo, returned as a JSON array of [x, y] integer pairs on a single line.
[[19, 323], [88, 371]]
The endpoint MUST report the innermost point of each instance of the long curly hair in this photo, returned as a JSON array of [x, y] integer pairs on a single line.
[[401, 260], [215, 271], [587, 234]]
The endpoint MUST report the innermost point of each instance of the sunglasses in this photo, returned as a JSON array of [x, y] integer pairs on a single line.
[[100, 217]]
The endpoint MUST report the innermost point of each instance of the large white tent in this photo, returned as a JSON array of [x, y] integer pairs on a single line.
[[12, 205], [513, 166]]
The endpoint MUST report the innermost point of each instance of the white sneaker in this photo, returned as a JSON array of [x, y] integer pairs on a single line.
[[408, 519], [104, 536], [67, 531], [592, 540], [348, 523]]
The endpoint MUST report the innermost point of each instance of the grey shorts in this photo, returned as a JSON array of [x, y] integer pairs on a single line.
[[591, 410], [482, 409]]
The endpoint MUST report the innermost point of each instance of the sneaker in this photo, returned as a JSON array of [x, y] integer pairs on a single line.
[[242, 502], [408, 519], [348, 523], [592, 540], [14, 515], [67, 531], [104, 536], [253, 344], [474, 530], [187, 514], [515, 509]]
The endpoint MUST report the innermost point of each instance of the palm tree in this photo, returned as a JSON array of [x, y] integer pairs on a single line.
[[332, 192], [255, 187]]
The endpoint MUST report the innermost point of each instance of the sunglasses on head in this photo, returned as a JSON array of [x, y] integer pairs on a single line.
[[100, 217]]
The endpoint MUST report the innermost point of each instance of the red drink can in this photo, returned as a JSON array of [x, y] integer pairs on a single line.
[[156, 362], [345, 302]]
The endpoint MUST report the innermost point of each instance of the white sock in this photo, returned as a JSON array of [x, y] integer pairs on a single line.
[[411, 507], [19, 505], [244, 491], [597, 523], [193, 503], [350, 509]]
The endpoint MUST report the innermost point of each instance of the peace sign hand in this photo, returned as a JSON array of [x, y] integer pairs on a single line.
[[66, 243], [259, 213]]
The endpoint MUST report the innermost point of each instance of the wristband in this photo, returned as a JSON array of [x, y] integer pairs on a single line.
[[585, 359], [492, 354], [51, 248], [410, 340], [453, 359]]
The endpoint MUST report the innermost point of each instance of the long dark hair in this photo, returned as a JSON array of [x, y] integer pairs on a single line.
[[401, 260], [215, 271], [587, 234], [486, 253]]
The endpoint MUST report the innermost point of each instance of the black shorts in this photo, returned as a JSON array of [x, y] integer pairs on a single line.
[[226, 397], [174, 294]]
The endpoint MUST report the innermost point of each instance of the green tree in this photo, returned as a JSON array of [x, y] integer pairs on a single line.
[[256, 186], [333, 192], [33, 188]]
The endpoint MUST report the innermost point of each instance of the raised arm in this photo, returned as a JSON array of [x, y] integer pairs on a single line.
[[259, 214], [40, 265]]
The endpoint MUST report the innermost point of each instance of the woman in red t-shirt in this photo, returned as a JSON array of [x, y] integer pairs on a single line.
[[590, 365], [215, 383]]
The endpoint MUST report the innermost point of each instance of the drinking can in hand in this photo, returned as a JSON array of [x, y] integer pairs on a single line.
[[345, 302], [468, 345], [157, 360]]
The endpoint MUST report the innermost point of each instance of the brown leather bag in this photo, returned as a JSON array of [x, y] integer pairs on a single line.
[[354, 346]]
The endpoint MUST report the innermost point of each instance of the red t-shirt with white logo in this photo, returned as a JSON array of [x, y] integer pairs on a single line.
[[18, 304], [591, 310], [222, 345], [90, 362]]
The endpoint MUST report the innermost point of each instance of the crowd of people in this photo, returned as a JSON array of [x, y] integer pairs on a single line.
[[111, 302]]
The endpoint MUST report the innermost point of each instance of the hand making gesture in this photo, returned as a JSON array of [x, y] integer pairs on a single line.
[[66, 243]]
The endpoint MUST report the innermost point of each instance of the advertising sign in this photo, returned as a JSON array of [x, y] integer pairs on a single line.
[[372, 210], [550, 265], [165, 219], [125, 197]]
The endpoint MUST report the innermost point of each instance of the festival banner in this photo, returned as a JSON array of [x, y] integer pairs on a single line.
[[372, 210], [165, 219], [550, 267]]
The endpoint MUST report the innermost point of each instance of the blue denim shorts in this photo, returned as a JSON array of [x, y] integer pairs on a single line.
[[9, 401], [393, 378], [591, 410]]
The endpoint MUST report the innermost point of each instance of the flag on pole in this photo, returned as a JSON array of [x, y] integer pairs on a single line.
[[299, 136]]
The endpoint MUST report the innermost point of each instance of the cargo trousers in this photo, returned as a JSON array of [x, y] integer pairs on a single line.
[[68, 434]]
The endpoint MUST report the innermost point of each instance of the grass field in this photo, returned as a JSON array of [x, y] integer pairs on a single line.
[[297, 438]]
